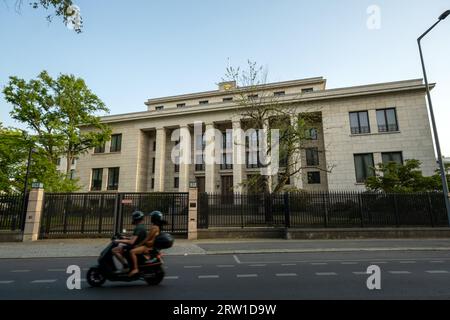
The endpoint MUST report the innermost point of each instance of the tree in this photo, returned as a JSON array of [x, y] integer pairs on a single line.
[[54, 110], [407, 177], [260, 108], [59, 8]]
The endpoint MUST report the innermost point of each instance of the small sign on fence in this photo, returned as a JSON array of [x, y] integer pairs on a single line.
[[127, 201]]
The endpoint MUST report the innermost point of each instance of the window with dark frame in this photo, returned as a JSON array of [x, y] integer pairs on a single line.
[[100, 149], [154, 145], [153, 184], [312, 156], [227, 154], [359, 122], [279, 93], [181, 105], [176, 182], [113, 178], [200, 145], [387, 120], [252, 96], [306, 90], [96, 182], [158, 108], [314, 177], [227, 99], [396, 157], [364, 166], [153, 165], [116, 143], [252, 150], [204, 102], [72, 174]]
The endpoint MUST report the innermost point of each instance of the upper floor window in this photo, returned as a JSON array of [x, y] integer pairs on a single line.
[[113, 178], [153, 165], [312, 156], [204, 102], [252, 96], [100, 149], [96, 182], [314, 177], [227, 154], [74, 160], [116, 143], [306, 90], [159, 108], [252, 144], [396, 157], [227, 99], [72, 174], [181, 105], [387, 120], [364, 166], [176, 182], [279, 93], [200, 145], [154, 145], [359, 122]]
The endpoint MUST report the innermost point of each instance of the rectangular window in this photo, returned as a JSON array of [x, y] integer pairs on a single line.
[[158, 108], [153, 165], [252, 148], [96, 183], [176, 182], [200, 145], [176, 168], [204, 102], [396, 157], [227, 154], [279, 93], [306, 90], [116, 143], [100, 149], [387, 120], [227, 99], [154, 145], [312, 157], [153, 183], [363, 166], [72, 174], [359, 122], [181, 105], [113, 178], [314, 177]]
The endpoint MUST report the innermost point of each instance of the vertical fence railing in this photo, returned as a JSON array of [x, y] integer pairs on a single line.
[[11, 212], [332, 209]]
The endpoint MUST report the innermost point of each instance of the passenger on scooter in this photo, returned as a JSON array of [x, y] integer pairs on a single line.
[[138, 237], [147, 244]]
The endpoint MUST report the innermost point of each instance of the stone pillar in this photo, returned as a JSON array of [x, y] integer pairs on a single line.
[[193, 212], [297, 179], [185, 158], [34, 213], [160, 159], [210, 159], [238, 155]]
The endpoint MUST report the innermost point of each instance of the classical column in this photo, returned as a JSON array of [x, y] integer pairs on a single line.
[[265, 155], [160, 159], [238, 156], [210, 159], [185, 158], [297, 179]]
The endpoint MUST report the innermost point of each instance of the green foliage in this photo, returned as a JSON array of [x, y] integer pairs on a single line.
[[53, 110], [394, 177]]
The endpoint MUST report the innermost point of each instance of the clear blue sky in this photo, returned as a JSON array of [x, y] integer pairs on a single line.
[[134, 50]]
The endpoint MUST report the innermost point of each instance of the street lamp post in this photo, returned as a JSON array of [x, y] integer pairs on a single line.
[[433, 122]]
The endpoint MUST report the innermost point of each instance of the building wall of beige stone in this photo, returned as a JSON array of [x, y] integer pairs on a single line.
[[335, 139]]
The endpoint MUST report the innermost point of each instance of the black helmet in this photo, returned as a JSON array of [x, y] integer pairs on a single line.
[[137, 216], [157, 218]]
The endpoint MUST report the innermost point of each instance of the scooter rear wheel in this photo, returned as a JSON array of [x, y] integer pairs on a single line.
[[95, 278]]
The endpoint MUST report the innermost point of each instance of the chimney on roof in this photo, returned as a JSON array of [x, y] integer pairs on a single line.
[[227, 85]]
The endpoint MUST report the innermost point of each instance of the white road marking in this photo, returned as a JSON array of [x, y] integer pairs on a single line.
[[349, 263], [257, 265], [236, 259], [44, 281], [326, 274], [286, 274], [215, 276], [247, 275], [191, 267], [399, 272], [6, 281], [360, 272], [225, 266], [171, 278], [20, 271], [288, 264], [436, 271]]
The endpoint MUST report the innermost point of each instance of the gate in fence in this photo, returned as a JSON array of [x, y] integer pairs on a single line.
[[12, 212], [103, 214]]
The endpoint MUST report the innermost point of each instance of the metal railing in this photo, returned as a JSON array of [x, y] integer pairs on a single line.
[[322, 210], [11, 212]]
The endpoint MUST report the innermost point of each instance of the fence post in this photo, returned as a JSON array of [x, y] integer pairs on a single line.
[[117, 212], [361, 212], [34, 213], [397, 218], [287, 211], [325, 203], [193, 212], [430, 206]]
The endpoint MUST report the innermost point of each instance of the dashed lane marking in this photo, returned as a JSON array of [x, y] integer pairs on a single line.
[[326, 274], [44, 281], [6, 281], [437, 271], [171, 278], [246, 275], [286, 274], [214, 276]]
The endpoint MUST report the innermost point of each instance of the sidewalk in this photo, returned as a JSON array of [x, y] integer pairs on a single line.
[[92, 247]]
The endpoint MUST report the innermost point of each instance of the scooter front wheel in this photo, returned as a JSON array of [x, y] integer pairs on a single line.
[[95, 277]]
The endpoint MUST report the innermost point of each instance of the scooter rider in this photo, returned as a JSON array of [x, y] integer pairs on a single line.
[[139, 235], [147, 245]]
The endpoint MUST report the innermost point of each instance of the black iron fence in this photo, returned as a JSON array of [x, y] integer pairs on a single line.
[[102, 214], [322, 210], [11, 212]]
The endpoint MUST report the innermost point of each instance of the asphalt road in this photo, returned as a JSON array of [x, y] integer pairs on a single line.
[[404, 275]]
